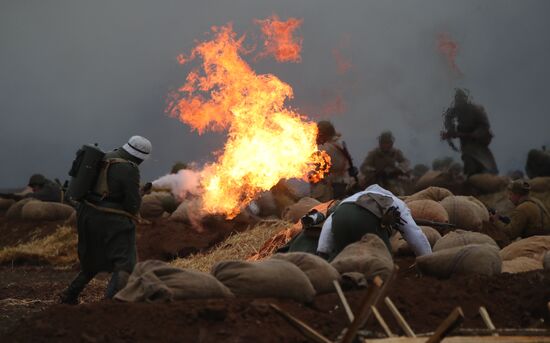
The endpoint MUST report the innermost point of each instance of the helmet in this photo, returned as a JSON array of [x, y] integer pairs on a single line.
[[386, 137], [178, 166], [326, 129], [139, 147], [520, 187], [37, 180]]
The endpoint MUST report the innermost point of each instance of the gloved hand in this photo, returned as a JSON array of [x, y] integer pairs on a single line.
[[392, 218]]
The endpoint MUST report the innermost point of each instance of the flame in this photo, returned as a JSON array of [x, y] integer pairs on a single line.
[[278, 39], [449, 48], [266, 142]]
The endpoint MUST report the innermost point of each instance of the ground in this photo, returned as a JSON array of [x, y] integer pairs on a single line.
[[29, 313]]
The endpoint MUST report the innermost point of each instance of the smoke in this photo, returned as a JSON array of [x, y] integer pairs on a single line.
[[182, 184]]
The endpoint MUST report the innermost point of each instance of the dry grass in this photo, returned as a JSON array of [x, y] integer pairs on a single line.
[[238, 246], [58, 248]]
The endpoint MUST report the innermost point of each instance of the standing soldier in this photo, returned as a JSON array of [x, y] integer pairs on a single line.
[[106, 231], [469, 123], [386, 165], [335, 184], [529, 218]]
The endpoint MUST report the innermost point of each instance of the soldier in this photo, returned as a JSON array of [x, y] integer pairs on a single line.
[[529, 218], [42, 189], [386, 165], [469, 123], [374, 210], [335, 184], [106, 232]]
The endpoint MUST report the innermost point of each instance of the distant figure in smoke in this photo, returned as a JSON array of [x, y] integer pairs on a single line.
[[469, 123], [336, 183], [386, 165], [538, 163]]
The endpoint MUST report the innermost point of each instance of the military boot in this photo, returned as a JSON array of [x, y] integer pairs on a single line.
[[70, 295], [118, 281]]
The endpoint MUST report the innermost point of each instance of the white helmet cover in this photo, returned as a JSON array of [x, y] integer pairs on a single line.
[[139, 147]]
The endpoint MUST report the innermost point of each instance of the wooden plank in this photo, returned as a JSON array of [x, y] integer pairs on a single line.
[[487, 319], [465, 339], [364, 310], [305, 329], [382, 322], [449, 324], [400, 320], [343, 301]]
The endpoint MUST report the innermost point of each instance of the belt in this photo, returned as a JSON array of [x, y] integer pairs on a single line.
[[113, 211]]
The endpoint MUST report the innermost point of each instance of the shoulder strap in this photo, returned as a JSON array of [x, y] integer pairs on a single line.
[[102, 186]]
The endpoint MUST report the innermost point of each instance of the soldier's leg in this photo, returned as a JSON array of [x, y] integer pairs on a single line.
[[121, 252], [70, 295]]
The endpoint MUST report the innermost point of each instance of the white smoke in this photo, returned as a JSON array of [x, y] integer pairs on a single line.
[[182, 184]]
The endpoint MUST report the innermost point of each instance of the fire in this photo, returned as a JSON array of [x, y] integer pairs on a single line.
[[266, 142], [278, 39], [449, 48]]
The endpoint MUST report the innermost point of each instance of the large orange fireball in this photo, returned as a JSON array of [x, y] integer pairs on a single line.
[[266, 142]]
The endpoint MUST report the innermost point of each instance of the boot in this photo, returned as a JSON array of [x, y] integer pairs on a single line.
[[118, 281], [70, 295]]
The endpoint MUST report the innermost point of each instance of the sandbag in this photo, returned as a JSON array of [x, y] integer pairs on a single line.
[[488, 183], [534, 247], [44, 210], [294, 212], [369, 256], [546, 260], [6, 203], [319, 272], [14, 212], [71, 221], [430, 193], [400, 246], [464, 212], [428, 210], [157, 281], [540, 184], [521, 265], [429, 179], [271, 278], [460, 238], [481, 259]]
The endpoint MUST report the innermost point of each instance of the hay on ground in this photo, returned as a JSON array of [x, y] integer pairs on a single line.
[[238, 246], [58, 248]]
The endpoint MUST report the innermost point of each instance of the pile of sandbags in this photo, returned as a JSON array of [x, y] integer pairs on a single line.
[[273, 278], [540, 184], [428, 210], [487, 183], [36, 210], [157, 281], [294, 212], [461, 238], [465, 212], [14, 212], [320, 273], [481, 259], [400, 246], [521, 264], [369, 256]]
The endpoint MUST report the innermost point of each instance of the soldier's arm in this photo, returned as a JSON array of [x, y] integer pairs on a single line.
[[518, 222], [130, 184]]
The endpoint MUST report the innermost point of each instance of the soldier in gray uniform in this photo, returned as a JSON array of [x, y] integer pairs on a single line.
[[106, 230]]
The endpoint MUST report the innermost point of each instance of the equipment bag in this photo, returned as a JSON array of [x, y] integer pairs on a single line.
[[84, 172]]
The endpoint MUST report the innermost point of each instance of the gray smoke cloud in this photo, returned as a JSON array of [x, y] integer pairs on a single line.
[[77, 72]]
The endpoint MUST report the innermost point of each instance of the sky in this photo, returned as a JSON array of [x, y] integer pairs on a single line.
[[83, 72]]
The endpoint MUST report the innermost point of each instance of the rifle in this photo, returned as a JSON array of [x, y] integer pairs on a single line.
[[504, 219], [352, 170], [434, 224]]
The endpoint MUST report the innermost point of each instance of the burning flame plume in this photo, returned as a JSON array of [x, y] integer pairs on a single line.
[[266, 142], [278, 39], [449, 48]]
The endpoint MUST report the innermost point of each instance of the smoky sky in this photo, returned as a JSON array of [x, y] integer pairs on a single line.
[[80, 72]]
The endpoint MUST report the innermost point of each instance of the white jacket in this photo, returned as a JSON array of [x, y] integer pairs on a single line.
[[411, 232]]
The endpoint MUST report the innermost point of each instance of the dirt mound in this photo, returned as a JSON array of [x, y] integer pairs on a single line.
[[165, 239], [513, 301]]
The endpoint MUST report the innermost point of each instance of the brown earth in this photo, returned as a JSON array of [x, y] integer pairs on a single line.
[[28, 312]]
